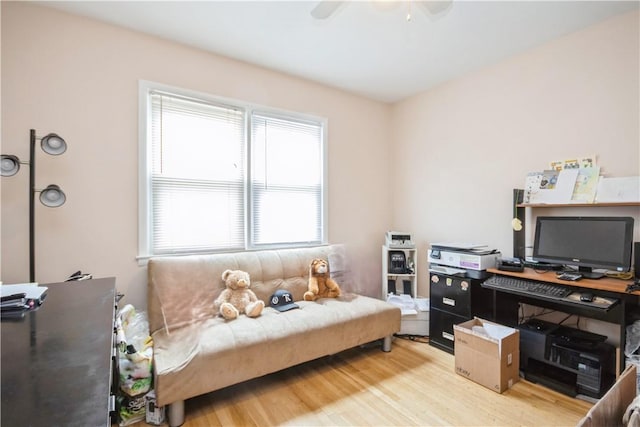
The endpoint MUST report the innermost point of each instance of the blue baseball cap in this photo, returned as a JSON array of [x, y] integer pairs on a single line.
[[282, 300]]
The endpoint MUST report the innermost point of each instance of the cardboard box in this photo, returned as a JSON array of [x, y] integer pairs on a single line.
[[609, 410], [487, 353]]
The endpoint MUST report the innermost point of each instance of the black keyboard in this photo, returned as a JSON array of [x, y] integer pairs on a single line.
[[527, 287]]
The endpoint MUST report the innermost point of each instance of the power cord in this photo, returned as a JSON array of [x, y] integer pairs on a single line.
[[622, 276], [416, 338]]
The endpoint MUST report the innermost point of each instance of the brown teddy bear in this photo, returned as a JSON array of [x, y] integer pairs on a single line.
[[237, 298], [321, 285]]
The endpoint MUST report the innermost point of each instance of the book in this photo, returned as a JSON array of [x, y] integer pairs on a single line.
[[575, 163], [14, 302], [586, 185], [549, 179], [31, 290], [12, 297], [555, 186], [531, 185], [618, 189]]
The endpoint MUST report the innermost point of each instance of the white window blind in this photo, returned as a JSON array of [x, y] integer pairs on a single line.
[[197, 179], [286, 180], [221, 175]]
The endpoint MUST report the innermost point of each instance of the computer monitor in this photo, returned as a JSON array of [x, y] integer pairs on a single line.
[[585, 242]]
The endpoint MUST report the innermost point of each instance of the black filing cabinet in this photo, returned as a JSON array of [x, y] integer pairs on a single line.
[[455, 300]]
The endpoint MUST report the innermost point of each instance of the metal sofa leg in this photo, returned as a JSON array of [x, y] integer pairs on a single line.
[[386, 344], [176, 413]]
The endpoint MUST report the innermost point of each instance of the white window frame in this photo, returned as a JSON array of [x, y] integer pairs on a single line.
[[145, 222]]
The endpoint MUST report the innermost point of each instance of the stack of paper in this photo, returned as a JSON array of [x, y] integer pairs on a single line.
[[31, 291], [405, 302]]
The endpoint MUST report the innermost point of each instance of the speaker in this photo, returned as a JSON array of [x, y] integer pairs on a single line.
[[391, 286], [406, 287], [636, 259], [397, 262]]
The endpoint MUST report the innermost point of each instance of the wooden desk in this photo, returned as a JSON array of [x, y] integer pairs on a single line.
[[56, 361], [506, 304], [605, 284]]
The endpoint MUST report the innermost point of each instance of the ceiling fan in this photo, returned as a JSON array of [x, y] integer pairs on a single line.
[[325, 8]]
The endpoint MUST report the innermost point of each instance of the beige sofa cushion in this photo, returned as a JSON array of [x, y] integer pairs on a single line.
[[181, 289], [216, 353]]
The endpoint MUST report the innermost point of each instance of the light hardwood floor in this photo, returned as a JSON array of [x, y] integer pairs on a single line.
[[413, 385]]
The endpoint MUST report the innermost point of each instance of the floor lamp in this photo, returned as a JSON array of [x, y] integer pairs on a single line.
[[51, 196]]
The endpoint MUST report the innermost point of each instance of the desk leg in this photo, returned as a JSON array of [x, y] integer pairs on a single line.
[[623, 337], [505, 308]]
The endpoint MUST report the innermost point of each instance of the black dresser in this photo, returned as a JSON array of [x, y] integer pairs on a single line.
[[453, 300], [57, 360]]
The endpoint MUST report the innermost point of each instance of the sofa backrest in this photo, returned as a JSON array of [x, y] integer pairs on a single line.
[[181, 289]]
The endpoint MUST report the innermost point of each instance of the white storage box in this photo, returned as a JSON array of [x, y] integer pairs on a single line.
[[416, 324]]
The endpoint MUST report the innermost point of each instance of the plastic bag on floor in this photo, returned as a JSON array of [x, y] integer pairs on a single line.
[[633, 338], [135, 356]]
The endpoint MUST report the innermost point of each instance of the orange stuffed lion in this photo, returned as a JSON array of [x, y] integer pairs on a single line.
[[321, 285]]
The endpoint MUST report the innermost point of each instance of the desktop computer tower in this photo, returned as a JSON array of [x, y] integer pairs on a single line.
[[533, 340]]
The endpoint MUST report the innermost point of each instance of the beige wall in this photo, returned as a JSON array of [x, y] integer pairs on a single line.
[[456, 150], [79, 78], [462, 147]]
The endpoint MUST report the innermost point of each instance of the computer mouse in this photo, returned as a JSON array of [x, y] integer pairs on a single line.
[[586, 297]]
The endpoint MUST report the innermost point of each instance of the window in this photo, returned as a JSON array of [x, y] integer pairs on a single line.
[[217, 175]]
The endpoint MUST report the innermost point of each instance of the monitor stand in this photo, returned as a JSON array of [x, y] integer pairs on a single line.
[[588, 273]]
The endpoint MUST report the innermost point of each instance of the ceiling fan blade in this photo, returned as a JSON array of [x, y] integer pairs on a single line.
[[435, 7], [325, 9]]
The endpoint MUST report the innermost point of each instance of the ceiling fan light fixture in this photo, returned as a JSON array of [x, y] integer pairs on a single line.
[[325, 8], [435, 7], [385, 5]]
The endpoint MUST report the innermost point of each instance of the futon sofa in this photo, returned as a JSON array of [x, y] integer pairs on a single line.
[[196, 351]]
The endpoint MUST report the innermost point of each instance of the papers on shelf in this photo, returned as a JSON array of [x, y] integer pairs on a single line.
[[555, 187], [575, 163], [624, 189], [586, 185], [578, 180], [531, 185], [407, 304]]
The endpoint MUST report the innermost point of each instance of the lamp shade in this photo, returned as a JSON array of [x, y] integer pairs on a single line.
[[52, 196], [9, 165], [53, 144]]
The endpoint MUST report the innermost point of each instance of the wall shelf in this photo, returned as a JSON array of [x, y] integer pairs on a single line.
[[523, 238], [576, 205]]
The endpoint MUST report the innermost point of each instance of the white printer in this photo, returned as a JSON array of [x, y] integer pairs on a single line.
[[462, 259]]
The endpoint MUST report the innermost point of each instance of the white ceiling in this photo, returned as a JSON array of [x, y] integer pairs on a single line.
[[365, 47]]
